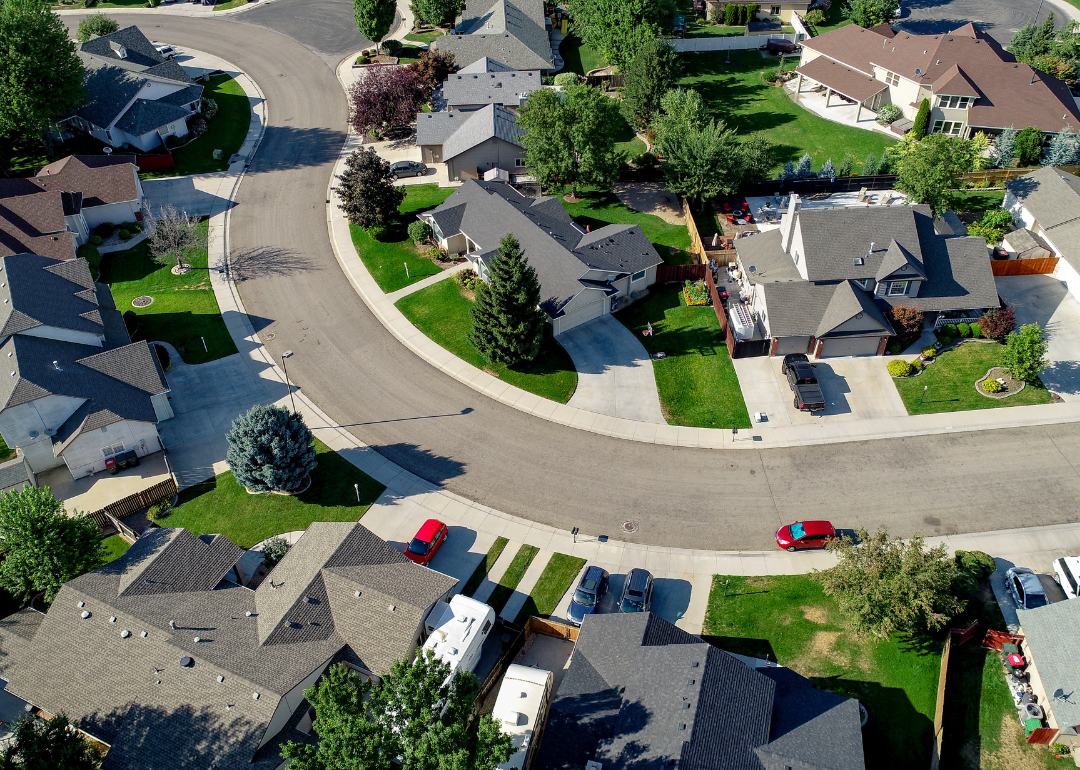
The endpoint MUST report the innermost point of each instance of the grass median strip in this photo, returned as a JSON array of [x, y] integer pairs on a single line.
[[553, 584], [485, 566], [510, 579]]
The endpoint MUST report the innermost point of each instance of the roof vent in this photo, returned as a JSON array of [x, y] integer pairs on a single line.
[[859, 260], [248, 613], [307, 600], [356, 594], [172, 624], [81, 604], [186, 662], [85, 614], [694, 664], [220, 678], [125, 634], [112, 619], [254, 696], [56, 365], [392, 608], [142, 634], [918, 70], [689, 681], [198, 639]]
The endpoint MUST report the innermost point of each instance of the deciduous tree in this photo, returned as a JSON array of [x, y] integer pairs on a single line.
[[704, 162], [42, 546], [906, 321], [270, 450], [884, 584], [998, 323], [366, 190], [386, 98], [374, 17], [97, 24], [653, 71], [930, 172], [436, 12], [994, 225], [173, 235], [1055, 52], [1029, 146], [507, 323], [757, 156], [618, 28], [432, 68], [681, 110], [1025, 353], [48, 743], [870, 13]]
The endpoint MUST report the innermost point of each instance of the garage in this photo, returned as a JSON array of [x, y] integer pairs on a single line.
[[850, 346], [785, 345], [579, 316]]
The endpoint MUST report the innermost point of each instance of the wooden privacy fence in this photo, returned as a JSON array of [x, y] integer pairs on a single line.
[[680, 273], [721, 315], [939, 709], [1041, 266], [112, 515], [532, 627], [698, 247], [989, 176]]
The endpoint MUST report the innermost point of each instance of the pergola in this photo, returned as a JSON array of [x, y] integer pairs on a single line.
[[836, 77]]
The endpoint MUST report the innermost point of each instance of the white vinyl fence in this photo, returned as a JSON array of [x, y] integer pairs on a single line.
[[800, 28], [741, 43]]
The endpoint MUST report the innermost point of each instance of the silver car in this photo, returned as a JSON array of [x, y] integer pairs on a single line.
[[1025, 588], [408, 168]]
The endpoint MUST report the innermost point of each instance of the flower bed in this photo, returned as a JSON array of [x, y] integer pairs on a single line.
[[1010, 387], [696, 293]]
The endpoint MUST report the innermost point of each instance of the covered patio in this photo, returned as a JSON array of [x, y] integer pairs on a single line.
[[853, 89]]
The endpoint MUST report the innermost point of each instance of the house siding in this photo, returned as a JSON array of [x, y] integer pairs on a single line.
[[494, 153], [84, 453], [123, 211]]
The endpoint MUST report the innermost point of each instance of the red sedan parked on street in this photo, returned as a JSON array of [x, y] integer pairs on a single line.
[[805, 534], [427, 541]]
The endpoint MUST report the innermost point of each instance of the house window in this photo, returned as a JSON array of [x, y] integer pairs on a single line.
[[638, 276], [952, 127], [898, 288], [110, 451], [954, 102], [892, 78], [775, 10], [519, 162]]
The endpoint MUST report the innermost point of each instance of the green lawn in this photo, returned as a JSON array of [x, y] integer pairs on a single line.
[[6, 453], [221, 505], [950, 383], [697, 29], [485, 566], [424, 37], [408, 54], [553, 584], [790, 620], [697, 382], [600, 207], [230, 4], [441, 312], [509, 581], [226, 132], [386, 252], [579, 58], [736, 94], [963, 201], [115, 547], [184, 312]]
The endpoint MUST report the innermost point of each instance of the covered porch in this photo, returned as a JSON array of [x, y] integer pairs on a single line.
[[834, 87]]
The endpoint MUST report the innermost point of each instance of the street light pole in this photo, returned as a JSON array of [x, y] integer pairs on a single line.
[[288, 354]]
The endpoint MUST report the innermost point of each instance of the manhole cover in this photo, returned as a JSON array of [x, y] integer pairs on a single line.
[[270, 336], [629, 527], [143, 301]]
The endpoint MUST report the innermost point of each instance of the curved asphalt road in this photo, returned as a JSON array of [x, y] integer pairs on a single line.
[[447, 433]]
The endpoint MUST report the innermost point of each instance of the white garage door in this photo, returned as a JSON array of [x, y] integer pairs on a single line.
[[579, 316], [851, 346]]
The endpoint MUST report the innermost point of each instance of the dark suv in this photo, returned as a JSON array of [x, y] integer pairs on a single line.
[[408, 168], [590, 591], [637, 593]]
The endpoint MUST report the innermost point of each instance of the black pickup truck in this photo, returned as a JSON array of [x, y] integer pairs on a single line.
[[803, 383]]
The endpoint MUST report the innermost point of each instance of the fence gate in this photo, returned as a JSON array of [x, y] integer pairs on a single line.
[[1043, 266]]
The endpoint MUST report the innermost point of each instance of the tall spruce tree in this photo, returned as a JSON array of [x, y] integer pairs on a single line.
[[1062, 150], [270, 450], [507, 323], [1005, 148]]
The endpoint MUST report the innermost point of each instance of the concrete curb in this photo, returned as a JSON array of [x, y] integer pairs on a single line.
[[172, 9]]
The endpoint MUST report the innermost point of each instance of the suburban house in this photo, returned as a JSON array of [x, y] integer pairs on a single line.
[[642, 693], [52, 213], [487, 81], [472, 143], [822, 283], [583, 275], [1045, 205], [972, 83], [782, 10], [1050, 648], [134, 96], [80, 390], [513, 32], [169, 659]]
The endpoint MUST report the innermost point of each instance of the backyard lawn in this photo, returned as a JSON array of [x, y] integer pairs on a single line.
[[504, 589], [221, 505], [552, 585], [790, 620], [950, 382], [6, 453], [441, 312], [699, 29], [579, 58], [226, 132], [184, 311], [697, 382], [600, 207], [736, 94], [115, 547], [965, 201], [387, 252]]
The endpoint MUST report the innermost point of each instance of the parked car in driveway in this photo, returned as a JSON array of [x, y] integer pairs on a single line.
[[1025, 588], [637, 591], [404, 168], [802, 379], [590, 590], [167, 51], [423, 547], [1067, 574], [805, 534]]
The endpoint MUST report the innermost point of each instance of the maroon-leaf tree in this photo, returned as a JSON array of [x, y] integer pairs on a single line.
[[433, 67], [996, 324], [386, 98]]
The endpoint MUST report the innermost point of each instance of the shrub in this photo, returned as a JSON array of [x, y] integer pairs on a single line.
[[97, 24], [419, 231], [964, 329], [929, 351], [274, 550], [199, 127], [208, 108], [1061, 748], [894, 347], [888, 113], [163, 357], [89, 253], [646, 161], [391, 47], [271, 449], [950, 330], [172, 141], [991, 386], [467, 279], [814, 17], [998, 323], [131, 321], [363, 60], [899, 368], [976, 330], [964, 584], [977, 563], [917, 365], [95, 240], [125, 235], [567, 79], [434, 253], [907, 321], [105, 229], [158, 510]]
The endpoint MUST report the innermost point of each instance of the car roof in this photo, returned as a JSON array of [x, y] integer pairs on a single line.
[[1030, 582], [401, 163], [593, 572], [638, 578], [430, 527], [818, 527]]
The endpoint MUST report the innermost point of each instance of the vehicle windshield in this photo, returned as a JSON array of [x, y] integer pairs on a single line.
[[633, 604], [1035, 600], [584, 599], [418, 546], [797, 530]]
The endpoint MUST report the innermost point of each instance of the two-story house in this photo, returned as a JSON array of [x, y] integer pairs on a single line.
[[472, 143], [1046, 205], [823, 282], [583, 275], [971, 82]]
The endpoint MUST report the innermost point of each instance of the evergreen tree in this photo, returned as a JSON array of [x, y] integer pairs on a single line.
[[885, 165], [368, 195], [1061, 150], [789, 171], [1005, 148], [869, 166], [53, 743], [507, 323], [653, 71], [804, 170], [270, 450], [828, 170], [922, 120], [845, 166], [731, 15]]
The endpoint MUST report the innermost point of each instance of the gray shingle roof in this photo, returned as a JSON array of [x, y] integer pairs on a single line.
[[145, 116], [497, 87], [184, 96], [14, 475], [800, 308], [109, 90], [484, 64], [834, 237], [1050, 635], [1051, 195], [512, 32], [140, 51], [42, 291], [458, 132]]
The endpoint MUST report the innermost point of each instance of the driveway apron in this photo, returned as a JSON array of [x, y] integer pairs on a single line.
[[1044, 300]]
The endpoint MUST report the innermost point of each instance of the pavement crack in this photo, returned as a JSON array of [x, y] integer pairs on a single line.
[[1064, 456], [772, 492]]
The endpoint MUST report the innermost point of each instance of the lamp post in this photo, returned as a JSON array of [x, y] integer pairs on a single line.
[[288, 354]]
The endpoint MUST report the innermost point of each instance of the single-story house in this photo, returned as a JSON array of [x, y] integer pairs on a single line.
[[134, 96], [1051, 647], [487, 81], [513, 32], [972, 83], [583, 274], [782, 10], [472, 143], [167, 657], [80, 391], [1046, 203], [642, 693], [823, 282]]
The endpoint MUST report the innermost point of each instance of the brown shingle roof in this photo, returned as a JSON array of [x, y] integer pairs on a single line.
[[33, 223], [840, 78], [102, 179], [955, 83]]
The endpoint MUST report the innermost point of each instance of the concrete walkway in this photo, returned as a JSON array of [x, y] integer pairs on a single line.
[[394, 296], [838, 110], [1044, 300], [615, 373]]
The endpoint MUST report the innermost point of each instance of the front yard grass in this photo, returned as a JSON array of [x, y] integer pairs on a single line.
[[790, 620], [697, 382], [441, 312], [736, 94], [184, 312], [601, 207], [226, 132], [386, 252], [510, 579], [425, 37], [552, 585], [484, 566], [950, 382], [221, 505]]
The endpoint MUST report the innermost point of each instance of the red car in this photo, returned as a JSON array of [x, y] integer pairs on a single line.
[[805, 534], [427, 541]]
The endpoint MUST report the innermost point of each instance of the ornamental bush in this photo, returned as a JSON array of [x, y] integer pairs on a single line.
[[976, 331], [977, 563], [964, 329], [996, 324], [270, 449], [274, 550], [208, 108], [899, 368], [814, 17], [929, 351], [419, 231], [125, 235], [949, 330], [917, 365], [467, 279], [567, 79], [888, 113], [95, 240], [157, 511], [992, 386]]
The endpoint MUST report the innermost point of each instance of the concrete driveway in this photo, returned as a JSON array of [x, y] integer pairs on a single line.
[[1044, 300], [856, 388], [615, 374], [204, 195]]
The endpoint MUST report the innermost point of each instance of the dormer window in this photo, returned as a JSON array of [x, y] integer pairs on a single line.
[[954, 102], [897, 288], [118, 49]]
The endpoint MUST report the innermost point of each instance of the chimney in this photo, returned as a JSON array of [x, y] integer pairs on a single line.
[[787, 221]]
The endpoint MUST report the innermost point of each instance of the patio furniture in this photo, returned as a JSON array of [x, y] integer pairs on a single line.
[[727, 207], [731, 219]]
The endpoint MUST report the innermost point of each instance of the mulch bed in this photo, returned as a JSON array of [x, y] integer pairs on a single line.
[[1012, 385]]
